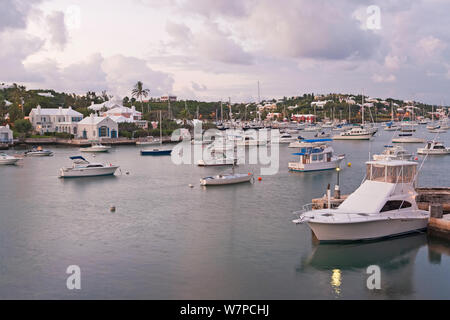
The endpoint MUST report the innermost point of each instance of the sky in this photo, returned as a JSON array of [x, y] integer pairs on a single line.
[[218, 49]]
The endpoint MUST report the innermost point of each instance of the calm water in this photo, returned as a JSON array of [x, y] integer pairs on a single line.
[[168, 241]]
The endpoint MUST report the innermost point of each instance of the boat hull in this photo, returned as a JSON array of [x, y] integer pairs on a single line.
[[353, 137], [87, 172], [8, 161], [156, 153], [221, 182], [367, 230], [301, 167], [408, 140]]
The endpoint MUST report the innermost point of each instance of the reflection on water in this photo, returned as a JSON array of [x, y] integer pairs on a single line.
[[336, 278], [395, 257]]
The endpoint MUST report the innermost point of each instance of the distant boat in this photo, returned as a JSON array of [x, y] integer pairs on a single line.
[[149, 141], [409, 139], [38, 152], [393, 153], [7, 160], [157, 151], [96, 147], [226, 178], [434, 147], [315, 155], [355, 133], [83, 168]]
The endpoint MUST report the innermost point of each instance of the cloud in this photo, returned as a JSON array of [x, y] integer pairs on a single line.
[[14, 13], [57, 29], [383, 78]]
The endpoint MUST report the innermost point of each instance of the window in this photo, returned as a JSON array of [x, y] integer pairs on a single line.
[[395, 205], [103, 131]]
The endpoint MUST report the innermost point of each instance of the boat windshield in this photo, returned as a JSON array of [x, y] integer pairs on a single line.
[[390, 174]]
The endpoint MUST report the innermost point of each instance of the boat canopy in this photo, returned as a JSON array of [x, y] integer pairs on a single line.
[[77, 158], [391, 171], [318, 140]]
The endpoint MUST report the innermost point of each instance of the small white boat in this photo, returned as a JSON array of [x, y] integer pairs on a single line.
[[407, 139], [149, 141], [224, 179], [285, 138], [355, 133], [383, 206], [7, 160], [218, 159], [312, 128], [437, 130], [315, 155], [434, 147], [391, 126], [96, 147], [83, 168], [393, 153], [38, 152]]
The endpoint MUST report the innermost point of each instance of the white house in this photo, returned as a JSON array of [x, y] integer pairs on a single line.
[[6, 134], [96, 128], [55, 120]]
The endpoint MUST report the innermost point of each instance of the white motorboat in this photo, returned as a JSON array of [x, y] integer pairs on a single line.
[[251, 141], [391, 126], [83, 168], [316, 155], [149, 141], [434, 147], [383, 206], [437, 130], [285, 138], [393, 153], [355, 133], [38, 152], [217, 159], [408, 139], [7, 160], [312, 128], [96, 147]]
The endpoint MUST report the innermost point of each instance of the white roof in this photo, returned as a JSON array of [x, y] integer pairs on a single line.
[[94, 120], [7, 103], [55, 112], [121, 119], [370, 197], [45, 94], [122, 109]]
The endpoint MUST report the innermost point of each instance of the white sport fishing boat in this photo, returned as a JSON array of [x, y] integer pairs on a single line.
[[383, 206], [434, 147], [96, 147], [83, 168], [149, 141], [407, 139], [355, 133], [7, 160], [393, 153], [316, 155], [38, 152]]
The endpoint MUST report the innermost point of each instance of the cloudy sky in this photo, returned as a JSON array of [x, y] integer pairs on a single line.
[[215, 49]]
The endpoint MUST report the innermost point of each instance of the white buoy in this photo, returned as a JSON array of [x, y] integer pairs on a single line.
[[191, 185]]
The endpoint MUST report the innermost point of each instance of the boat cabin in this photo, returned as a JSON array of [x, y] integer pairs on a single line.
[[315, 150]]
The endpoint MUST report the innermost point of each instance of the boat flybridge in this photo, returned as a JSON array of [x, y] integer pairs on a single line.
[[6, 159], [383, 206], [434, 147], [315, 155], [83, 168]]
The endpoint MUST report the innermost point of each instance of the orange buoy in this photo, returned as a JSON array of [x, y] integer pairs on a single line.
[[349, 164], [259, 179]]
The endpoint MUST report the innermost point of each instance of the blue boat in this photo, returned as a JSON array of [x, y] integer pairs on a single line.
[[156, 152]]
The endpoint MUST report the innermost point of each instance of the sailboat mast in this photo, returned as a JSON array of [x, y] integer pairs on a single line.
[[160, 127]]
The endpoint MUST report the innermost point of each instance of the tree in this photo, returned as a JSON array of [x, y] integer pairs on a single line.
[[23, 126], [139, 92], [14, 113]]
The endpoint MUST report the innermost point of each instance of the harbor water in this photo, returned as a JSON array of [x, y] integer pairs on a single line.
[[166, 240]]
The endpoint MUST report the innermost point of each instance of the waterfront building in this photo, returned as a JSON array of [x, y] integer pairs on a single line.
[[168, 97], [96, 128], [304, 118], [6, 134], [55, 120]]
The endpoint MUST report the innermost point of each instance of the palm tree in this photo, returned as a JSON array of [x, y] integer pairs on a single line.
[[139, 92]]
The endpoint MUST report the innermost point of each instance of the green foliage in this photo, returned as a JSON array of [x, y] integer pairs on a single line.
[[23, 126]]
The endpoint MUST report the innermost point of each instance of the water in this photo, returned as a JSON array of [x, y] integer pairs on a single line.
[[168, 241]]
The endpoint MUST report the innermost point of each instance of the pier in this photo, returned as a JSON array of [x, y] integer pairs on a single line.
[[83, 142], [435, 200]]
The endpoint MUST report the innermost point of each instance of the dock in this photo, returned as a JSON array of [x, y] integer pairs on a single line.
[[435, 200], [83, 142]]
